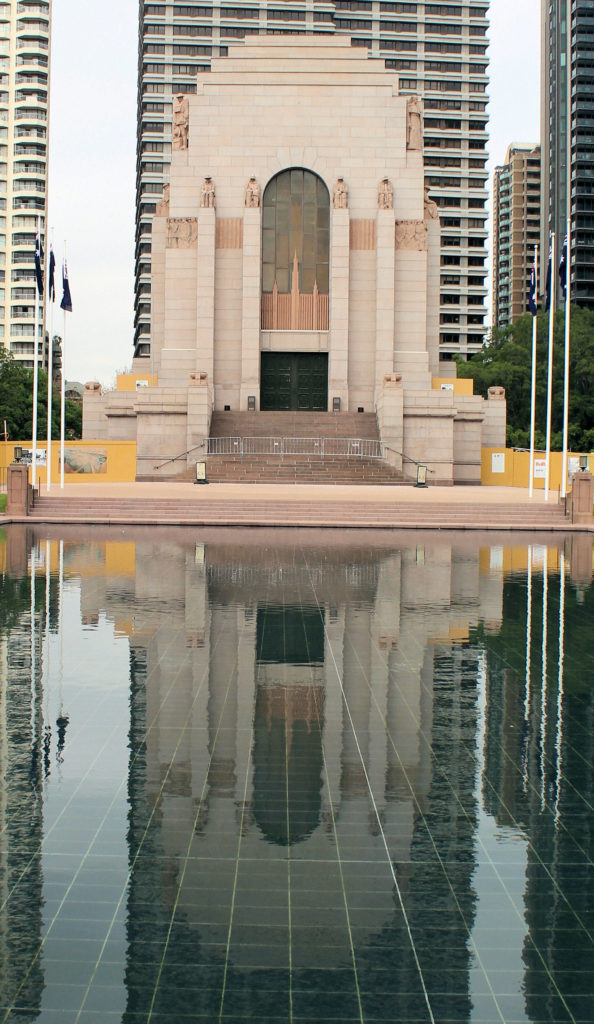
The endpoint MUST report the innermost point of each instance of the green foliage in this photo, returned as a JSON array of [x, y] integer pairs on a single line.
[[16, 404], [506, 360], [3, 502]]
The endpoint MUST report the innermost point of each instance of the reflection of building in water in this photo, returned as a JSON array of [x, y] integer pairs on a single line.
[[242, 744], [539, 777], [21, 798]]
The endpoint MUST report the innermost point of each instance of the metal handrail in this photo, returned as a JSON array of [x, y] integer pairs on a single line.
[[343, 447], [407, 458], [174, 458]]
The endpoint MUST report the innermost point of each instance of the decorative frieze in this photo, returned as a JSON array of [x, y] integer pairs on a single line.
[[411, 235], [182, 232]]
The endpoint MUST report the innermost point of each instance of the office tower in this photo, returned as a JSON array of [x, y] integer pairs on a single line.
[[24, 77], [516, 230], [554, 137], [439, 50]]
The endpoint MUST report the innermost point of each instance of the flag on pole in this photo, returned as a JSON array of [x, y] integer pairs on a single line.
[[532, 292], [38, 262], [66, 303], [563, 268], [548, 284], [51, 284]]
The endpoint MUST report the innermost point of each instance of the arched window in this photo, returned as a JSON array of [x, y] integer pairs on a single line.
[[295, 251], [295, 220]]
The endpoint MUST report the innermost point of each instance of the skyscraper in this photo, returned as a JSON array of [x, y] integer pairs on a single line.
[[439, 51], [554, 128], [516, 229], [24, 79]]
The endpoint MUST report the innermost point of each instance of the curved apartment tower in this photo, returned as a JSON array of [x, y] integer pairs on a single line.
[[24, 81]]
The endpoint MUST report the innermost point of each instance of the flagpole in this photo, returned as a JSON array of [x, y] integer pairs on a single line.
[[543, 685], [567, 259], [63, 393], [533, 382], [50, 366], [38, 298], [566, 361], [550, 369]]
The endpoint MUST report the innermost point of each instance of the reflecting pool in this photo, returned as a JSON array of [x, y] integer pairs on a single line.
[[295, 776]]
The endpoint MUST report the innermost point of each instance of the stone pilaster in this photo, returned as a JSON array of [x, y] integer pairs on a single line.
[[385, 264], [250, 314], [338, 369], [205, 292]]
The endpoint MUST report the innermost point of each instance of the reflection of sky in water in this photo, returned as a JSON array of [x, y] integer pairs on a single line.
[[299, 783]]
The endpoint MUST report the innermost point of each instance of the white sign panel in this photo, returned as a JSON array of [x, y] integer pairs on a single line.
[[27, 456], [498, 462], [573, 466], [540, 469]]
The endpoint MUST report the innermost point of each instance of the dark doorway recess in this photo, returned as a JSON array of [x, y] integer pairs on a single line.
[[294, 381]]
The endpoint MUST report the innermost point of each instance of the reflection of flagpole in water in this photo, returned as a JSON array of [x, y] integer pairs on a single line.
[[33, 659], [528, 665], [559, 724], [61, 622], [47, 627], [543, 689]]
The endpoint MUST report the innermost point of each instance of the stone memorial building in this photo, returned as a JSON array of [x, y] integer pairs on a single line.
[[296, 267]]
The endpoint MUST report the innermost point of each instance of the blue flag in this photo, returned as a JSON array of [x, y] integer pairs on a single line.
[[548, 284], [563, 268], [38, 262], [66, 302], [51, 285], [532, 292]]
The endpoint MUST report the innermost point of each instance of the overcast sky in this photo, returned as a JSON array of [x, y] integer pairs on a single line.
[[92, 159]]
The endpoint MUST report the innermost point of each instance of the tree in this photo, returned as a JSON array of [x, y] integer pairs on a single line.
[[16, 403], [506, 360]]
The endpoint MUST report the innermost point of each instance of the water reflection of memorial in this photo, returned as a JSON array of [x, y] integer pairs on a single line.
[[300, 690], [295, 713]]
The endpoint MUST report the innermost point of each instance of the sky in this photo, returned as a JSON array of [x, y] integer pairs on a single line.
[[93, 160]]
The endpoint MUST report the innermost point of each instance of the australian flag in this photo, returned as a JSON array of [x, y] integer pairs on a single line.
[[548, 284], [563, 268], [38, 263], [532, 292], [51, 284], [66, 302]]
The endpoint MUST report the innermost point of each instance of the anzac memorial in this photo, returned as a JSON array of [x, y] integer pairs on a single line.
[[296, 271]]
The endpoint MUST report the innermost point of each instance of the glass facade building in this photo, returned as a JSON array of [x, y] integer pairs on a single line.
[[439, 51], [554, 128]]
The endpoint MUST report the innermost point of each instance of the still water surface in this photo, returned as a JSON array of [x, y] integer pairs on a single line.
[[295, 777]]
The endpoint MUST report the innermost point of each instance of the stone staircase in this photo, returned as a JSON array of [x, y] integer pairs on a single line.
[[292, 469], [427, 511]]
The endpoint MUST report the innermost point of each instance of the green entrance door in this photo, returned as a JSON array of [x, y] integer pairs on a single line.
[[294, 380]]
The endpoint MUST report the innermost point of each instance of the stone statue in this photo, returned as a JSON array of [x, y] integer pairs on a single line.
[[181, 119], [431, 207], [414, 131], [207, 199], [385, 195], [340, 195], [252, 193], [162, 207]]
